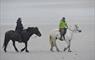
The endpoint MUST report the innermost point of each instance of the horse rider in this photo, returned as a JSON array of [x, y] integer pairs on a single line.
[[19, 27], [62, 28]]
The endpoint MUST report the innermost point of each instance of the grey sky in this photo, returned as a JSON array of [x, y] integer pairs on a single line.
[[45, 11], [42, 0]]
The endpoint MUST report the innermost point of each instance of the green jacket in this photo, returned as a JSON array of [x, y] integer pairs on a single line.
[[63, 24]]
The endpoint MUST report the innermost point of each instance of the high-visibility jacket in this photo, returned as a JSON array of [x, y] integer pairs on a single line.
[[63, 24]]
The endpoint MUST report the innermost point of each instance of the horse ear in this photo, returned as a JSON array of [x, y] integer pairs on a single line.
[[76, 25]]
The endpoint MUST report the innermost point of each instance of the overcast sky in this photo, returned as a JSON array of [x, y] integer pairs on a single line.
[[42, 0], [44, 11]]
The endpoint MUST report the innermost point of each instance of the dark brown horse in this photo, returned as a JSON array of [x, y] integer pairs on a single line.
[[23, 37]]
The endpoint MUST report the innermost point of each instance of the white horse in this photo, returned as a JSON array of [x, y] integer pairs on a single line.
[[55, 35]]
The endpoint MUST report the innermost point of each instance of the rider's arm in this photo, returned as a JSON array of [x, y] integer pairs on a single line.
[[66, 25]]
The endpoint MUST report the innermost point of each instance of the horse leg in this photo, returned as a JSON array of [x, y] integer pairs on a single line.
[[5, 44], [23, 49], [69, 50], [26, 47], [51, 43], [67, 45], [15, 46], [54, 43], [51, 49], [57, 48]]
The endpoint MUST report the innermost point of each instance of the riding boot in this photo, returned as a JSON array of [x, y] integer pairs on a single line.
[[61, 34], [20, 38], [64, 33], [64, 37], [60, 37], [19, 35]]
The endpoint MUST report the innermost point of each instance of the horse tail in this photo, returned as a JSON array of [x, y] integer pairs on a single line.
[[6, 40], [50, 39]]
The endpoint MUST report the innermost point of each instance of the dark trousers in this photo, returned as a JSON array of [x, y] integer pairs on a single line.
[[63, 32], [20, 34]]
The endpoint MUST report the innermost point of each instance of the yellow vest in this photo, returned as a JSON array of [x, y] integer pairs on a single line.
[[62, 24]]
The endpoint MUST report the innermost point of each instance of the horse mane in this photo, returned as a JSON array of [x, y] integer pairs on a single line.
[[29, 28]]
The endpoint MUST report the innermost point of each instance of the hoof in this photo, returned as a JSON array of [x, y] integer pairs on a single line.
[[69, 51], [17, 51], [58, 50], [27, 51], [22, 49], [51, 50], [5, 51], [65, 49]]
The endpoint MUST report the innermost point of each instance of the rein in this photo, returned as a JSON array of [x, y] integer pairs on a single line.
[[70, 29]]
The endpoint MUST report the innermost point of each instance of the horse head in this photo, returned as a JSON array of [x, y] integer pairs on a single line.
[[77, 29], [34, 30], [37, 32]]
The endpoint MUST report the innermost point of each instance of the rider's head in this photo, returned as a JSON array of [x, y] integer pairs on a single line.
[[19, 20], [63, 19]]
